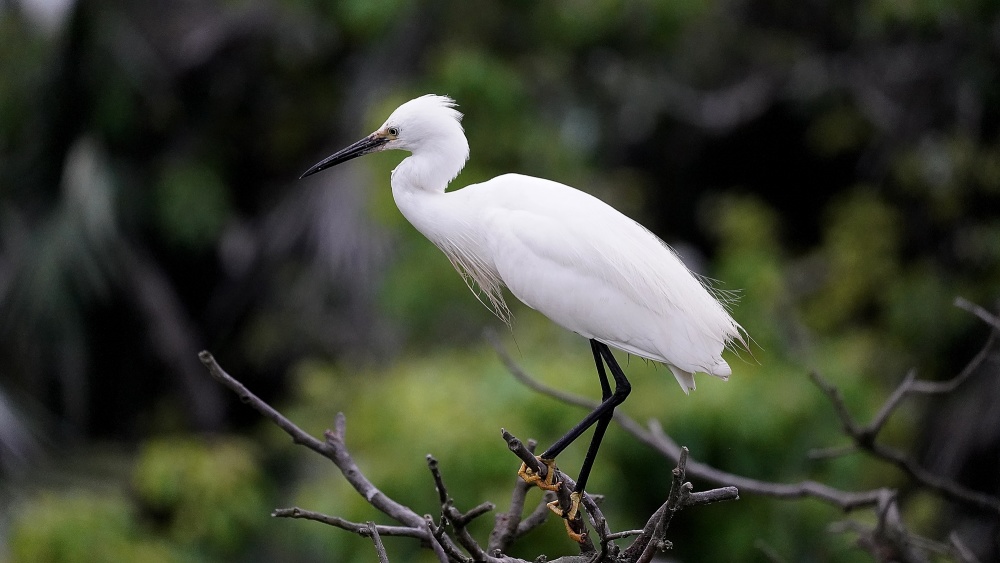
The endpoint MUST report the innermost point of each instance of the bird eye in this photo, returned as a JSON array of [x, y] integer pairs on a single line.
[[394, 131]]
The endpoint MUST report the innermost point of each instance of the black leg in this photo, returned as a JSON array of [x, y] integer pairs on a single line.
[[601, 415], [602, 423]]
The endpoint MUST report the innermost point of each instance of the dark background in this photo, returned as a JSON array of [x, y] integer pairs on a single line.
[[838, 163]]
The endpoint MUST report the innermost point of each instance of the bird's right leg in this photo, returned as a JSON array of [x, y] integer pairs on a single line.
[[602, 416]]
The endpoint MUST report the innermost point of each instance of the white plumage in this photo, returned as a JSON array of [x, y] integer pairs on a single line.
[[563, 252]]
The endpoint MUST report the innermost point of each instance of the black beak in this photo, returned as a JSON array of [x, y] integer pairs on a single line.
[[369, 144]]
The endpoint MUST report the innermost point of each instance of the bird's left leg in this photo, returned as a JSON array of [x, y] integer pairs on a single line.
[[622, 389], [602, 417], [548, 458]]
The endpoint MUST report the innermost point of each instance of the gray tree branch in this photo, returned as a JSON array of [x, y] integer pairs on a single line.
[[449, 546]]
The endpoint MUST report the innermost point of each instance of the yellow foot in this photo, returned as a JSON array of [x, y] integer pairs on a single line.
[[532, 478], [570, 516]]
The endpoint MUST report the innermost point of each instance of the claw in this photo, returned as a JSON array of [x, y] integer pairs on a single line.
[[532, 478], [571, 515]]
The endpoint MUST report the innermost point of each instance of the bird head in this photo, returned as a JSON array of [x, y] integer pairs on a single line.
[[427, 123]]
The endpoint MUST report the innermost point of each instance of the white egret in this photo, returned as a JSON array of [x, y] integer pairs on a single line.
[[563, 252]]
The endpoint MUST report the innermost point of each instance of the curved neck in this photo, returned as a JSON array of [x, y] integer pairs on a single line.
[[430, 168]]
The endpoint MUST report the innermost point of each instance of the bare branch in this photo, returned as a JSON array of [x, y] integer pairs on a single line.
[[624, 534], [889, 535], [947, 386], [432, 464], [507, 524], [889, 539], [962, 551], [910, 384], [983, 314], [458, 520], [338, 522], [847, 423], [864, 438], [333, 448], [638, 546], [438, 547], [537, 516], [656, 540], [423, 528], [383, 557], [599, 523], [844, 499], [524, 454], [465, 539], [652, 537], [714, 495], [879, 420], [298, 435]]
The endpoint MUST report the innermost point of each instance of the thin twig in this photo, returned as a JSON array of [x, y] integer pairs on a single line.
[[890, 404], [712, 496], [652, 537], [657, 538], [537, 517], [962, 551], [432, 464], [336, 521], [515, 445], [911, 385], [464, 518], [383, 557], [846, 500], [949, 385], [847, 422], [865, 439], [465, 539], [623, 534], [505, 528], [333, 448], [986, 316], [439, 547], [638, 546], [298, 435]]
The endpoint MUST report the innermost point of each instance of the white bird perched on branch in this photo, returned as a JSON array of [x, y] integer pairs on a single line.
[[563, 252]]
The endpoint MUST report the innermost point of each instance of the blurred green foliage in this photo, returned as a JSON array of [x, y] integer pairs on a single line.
[[82, 526], [189, 499], [210, 495], [191, 204], [836, 167]]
